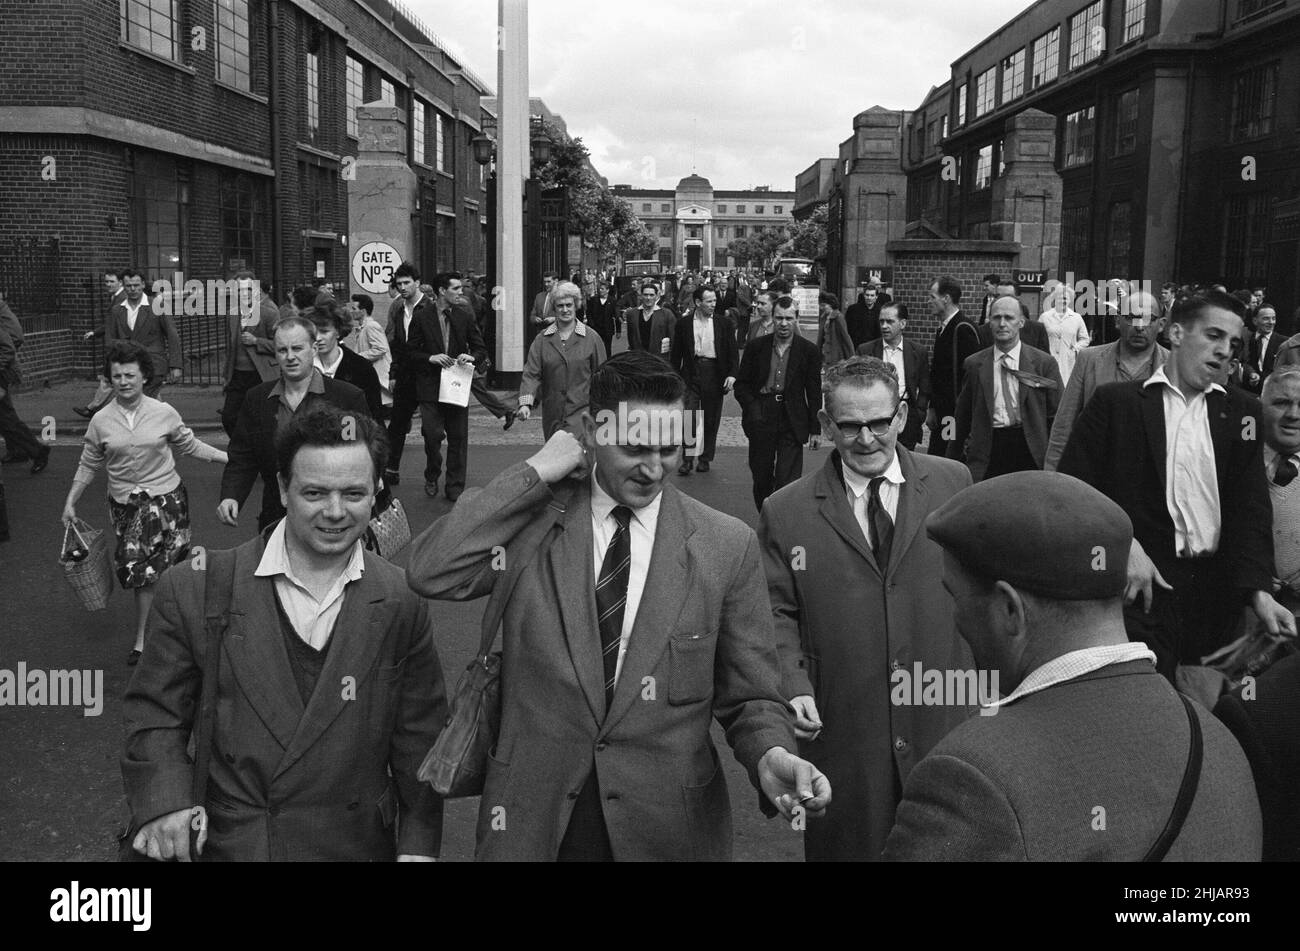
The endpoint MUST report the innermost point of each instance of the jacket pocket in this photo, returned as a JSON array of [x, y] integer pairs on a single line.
[[690, 667], [387, 805], [708, 817]]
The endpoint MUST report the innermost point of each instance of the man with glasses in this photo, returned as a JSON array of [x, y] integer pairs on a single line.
[[1007, 402], [1134, 356], [855, 586]]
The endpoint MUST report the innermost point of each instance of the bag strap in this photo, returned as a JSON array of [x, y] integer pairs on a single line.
[[496, 608], [219, 582], [1186, 791]]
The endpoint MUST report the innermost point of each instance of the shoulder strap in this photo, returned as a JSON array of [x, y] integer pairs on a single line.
[[219, 583], [1186, 791], [496, 607]]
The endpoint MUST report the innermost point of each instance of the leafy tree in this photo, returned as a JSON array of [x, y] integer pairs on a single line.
[[808, 237]]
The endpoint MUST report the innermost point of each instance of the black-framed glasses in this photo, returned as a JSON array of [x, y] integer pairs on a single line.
[[852, 429]]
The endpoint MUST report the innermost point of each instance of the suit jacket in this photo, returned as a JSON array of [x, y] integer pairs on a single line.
[[916, 367], [155, 332], [803, 384], [1093, 367], [10, 373], [288, 782], [833, 339], [952, 345], [661, 330], [862, 321], [252, 447], [398, 344], [701, 647], [1032, 333], [724, 345], [1275, 341], [844, 624], [1025, 785], [426, 340], [1268, 727], [975, 407], [262, 351], [1118, 447], [600, 317], [360, 372]]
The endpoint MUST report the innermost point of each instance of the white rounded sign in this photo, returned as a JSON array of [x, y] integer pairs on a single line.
[[373, 265]]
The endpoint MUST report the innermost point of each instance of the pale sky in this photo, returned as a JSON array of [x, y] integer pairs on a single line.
[[746, 92]]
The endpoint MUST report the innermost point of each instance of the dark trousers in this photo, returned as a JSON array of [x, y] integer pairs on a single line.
[[775, 452], [154, 386], [404, 407], [587, 837], [1194, 619], [19, 440], [489, 401], [241, 381], [707, 395], [272, 508], [939, 445], [607, 337], [439, 421], [1009, 452]]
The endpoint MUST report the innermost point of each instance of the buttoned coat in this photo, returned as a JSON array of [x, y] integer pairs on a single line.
[[288, 781], [844, 627], [561, 373], [155, 332], [974, 429], [701, 647], [426, 340], [262, 351]]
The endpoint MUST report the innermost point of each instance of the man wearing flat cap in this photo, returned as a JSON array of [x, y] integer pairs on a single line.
[[1091, 756]]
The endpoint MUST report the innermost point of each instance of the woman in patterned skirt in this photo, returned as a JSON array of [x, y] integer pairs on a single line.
[[134, 435]]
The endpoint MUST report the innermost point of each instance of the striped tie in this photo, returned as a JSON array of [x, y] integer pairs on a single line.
[[611, 596]]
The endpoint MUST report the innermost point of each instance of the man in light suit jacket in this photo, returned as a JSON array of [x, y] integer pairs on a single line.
[[324, 709], [133, 319], [250, 347], [637, 616], [1007, 402], [912, 364], [1086, 756], [1032, 331], [860, 605]]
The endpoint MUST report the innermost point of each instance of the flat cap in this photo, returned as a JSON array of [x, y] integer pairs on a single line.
[[1044, 532]]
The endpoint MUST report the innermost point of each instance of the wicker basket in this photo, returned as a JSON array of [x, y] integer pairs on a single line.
[[91, 577]]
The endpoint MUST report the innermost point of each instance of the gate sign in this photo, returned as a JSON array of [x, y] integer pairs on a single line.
[[1031, 280], [373, 266], [882, 275]]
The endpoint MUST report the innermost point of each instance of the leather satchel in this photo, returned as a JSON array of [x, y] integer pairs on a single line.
[[457, 764]]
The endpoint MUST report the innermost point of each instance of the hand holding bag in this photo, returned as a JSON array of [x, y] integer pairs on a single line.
[[88, 565], [389, 530]]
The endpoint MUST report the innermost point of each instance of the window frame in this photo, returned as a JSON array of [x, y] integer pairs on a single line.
[[220, 44], [1084, 24], [986, 93], [126, 7], [1091, 138], [1128, 21], [1118, 134], [1013, 75], [1043, 45]]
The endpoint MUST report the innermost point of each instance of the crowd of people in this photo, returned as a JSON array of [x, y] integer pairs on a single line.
[[1080, 507]]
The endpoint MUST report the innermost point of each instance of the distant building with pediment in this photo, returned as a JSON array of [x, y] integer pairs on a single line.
[[694, 223]]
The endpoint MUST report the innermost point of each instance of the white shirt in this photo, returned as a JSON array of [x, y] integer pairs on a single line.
[[1004, 382], [330, 370], [312, 620], [410, 313], [857, 488], [133, 312], [1263, 349], [704, 337], [894, 355], [1191, 480], [1075, 664], [641, 529], [1272, 459]]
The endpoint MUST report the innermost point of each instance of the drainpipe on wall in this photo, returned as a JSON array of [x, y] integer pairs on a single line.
[[277, 164]]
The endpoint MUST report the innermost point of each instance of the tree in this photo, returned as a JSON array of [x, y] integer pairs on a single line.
[[808, 237]]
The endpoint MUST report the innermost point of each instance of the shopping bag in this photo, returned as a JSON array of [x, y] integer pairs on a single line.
[[455, 385], [389, 531], [87, 564]]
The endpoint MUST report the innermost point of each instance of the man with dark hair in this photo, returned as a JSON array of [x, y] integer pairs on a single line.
[[704, 353], [250, 347], [991, 282], [542, 312], [442, 336], [20, 443], [116, 293], [602, 313], [954, 341], [862, 317], [300, 769], [134, 319], [855, 592], [1184, 459], [778, 387], [910, 364], [636, 616], [650, 326], [402, 312], [1265, 343], [337, 362], [365, 302], [268, 408]]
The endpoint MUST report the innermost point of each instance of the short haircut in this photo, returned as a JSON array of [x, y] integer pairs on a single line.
[[700, 291], [406, 269], [1265, 305], [244, 274], [302, 322], [1278, 377], [1170, 286], [1243, 295], [897, 306], [131, 272], [1015, 288], [442, 280], [326, 313], [365, 302], [992, 278], [634, 375], [551, 274], [949, 286], [862, 372], [1187, 310], [1130, 303], [826, 297], [304, 296], [784, 302], [328, 425], [123, 352], [779, 285], [566, 289], [117, 273], [650, 285]]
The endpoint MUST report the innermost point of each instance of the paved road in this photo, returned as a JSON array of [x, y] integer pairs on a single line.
[[61, 791]]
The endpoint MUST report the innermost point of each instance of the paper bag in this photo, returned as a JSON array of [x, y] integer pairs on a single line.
[[455, 385]]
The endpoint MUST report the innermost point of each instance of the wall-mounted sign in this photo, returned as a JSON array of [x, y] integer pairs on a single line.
[[882, 275], [373, 265], [1031, 280]]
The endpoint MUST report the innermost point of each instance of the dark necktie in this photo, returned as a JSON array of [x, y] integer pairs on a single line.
[[611, 596], [1285, 472], [882, 526]]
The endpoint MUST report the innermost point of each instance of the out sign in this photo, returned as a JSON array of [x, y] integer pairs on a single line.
[[373, 265]]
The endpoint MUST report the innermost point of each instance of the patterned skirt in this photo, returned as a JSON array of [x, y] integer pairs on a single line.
[[153, 533]]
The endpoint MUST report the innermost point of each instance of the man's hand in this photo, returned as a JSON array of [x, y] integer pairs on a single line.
[[465, 359], [247, 338], [807, 721], [88, 335], [175, 374], [442, 360], [168, 837], [405, 857], [728, 383], [524, 412], [228, 512], [1141, 573], [789, 781], [815, 441], [562, 456], [1277, 619]]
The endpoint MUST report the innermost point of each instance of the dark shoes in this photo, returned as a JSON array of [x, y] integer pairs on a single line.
[[702, 466], [41, 461], [391, 477], [452, 494], [431, 489], [510, 421], [133, 658], [686, 468], [83, 412]]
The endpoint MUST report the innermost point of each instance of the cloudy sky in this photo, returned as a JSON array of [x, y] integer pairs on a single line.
[[746, 92]]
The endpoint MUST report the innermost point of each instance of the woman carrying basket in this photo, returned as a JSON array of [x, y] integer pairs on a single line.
[[134, 435]]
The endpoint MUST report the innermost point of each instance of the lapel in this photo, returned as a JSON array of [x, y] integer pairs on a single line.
[[835, 509], [434, 322], [989, 358], [1153, 420], [913, 507], [142, 319], [354, 645], [571, 564], [554, 341], [764, 363], [667, 589], [1217, 405]]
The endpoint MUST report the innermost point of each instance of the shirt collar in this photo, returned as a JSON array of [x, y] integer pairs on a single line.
[[602, 503], [1075, 664], [275, 559], [860, 484], [333, 367], [889, 346], [578, 327], [1013, 353], [1159, 377], [315, 385], [1271, 455], [413, 304]]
